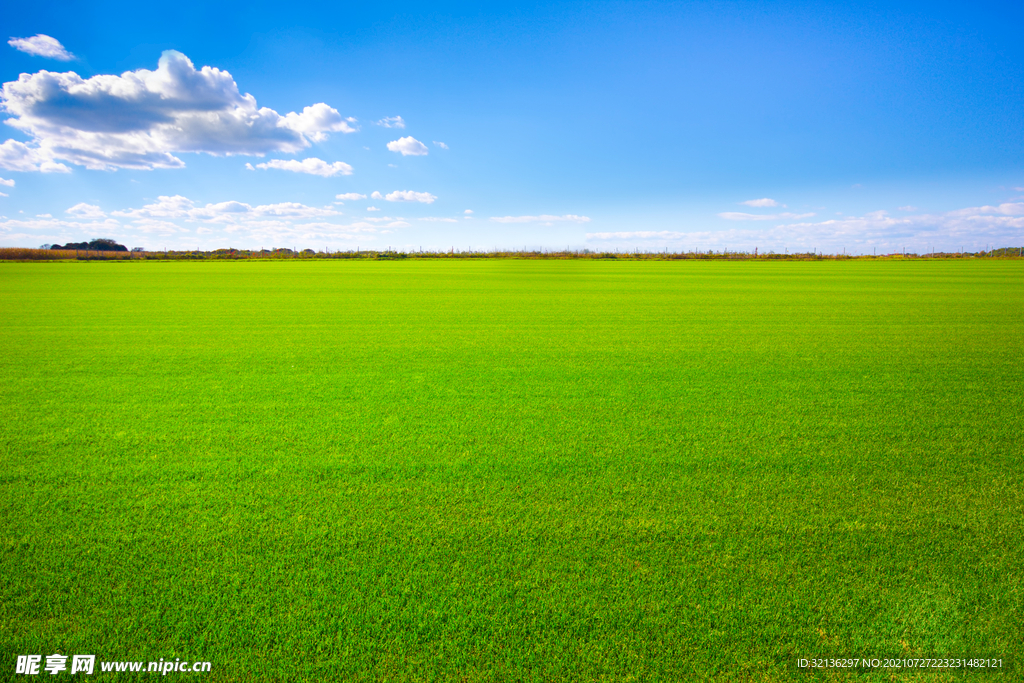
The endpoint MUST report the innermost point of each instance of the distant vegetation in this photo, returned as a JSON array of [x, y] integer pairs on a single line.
[[93, 245], [100, 249]]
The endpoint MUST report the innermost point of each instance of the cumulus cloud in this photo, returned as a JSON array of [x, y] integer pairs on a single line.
[[410, 196], [47, 228], [312, 166], [739, 216], [283, 223], [84, 210], [41, 45], [171, 218], [764, 202], [8, 183], [350, 196], [568, 218], [17, 156], [392, 122], [441, 144], [142, 118], [376, 195], [468, 211], [316, 121], [408, 147], [372, 208], [178, 207], [1006, 209], [971, 228]]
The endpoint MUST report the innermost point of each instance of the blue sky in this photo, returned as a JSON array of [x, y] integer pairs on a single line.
[[829, 126]]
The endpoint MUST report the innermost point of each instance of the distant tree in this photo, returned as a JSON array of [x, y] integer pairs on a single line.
[[99, 244], [106, 245]]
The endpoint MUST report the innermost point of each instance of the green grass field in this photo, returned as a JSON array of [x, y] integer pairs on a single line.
[[511, 470]]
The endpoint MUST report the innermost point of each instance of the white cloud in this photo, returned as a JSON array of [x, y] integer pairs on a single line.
[[83, 210], [568, 218], [410, 196], [382, 219], [312, 166], [372, 208], [41, 46], [468, 211], [1006, 209], [441, 144], [350, 196], [370, 227], [970, 228], [4, 194], [762, 203], [739, 216], [907, 208], [431, 219], [639, 234], [142, 118], [277, 224], [17, 156], [178, 207], [317, 120], [57, 229], [408, 146], [392, 122], [8, 183], [376, 195]]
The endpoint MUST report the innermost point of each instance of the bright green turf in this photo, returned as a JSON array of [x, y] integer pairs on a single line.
[[511, 470]]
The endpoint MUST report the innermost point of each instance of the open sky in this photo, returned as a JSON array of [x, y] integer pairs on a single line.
[[702, 125]]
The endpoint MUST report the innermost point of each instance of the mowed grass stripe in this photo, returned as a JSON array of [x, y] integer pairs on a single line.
[[511, 470]]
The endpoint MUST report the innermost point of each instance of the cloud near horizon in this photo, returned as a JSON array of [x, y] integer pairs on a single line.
[[410, 196], [178, 218], [142, 118], [971, 228], [41, 45], [567, 218], [312, 166], [739, 216], [764, 202]]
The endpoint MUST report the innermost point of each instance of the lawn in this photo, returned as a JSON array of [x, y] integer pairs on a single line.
[[512, 470]]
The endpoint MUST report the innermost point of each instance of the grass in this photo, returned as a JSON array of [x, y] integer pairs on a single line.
[[512, 470]]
